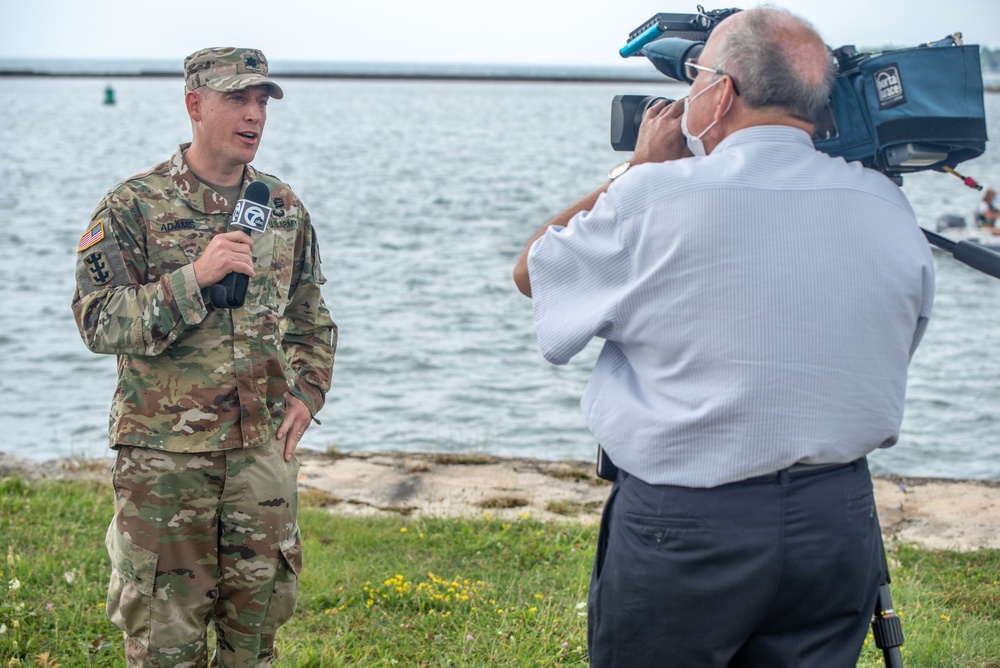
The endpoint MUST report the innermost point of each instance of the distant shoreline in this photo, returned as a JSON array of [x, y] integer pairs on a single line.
[[391, 76], [377, 76]]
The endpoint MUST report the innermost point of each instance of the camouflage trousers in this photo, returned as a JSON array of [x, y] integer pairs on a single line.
[[198, 539]]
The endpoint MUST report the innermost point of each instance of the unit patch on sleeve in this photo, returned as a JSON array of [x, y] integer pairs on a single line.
[[98, 268], [91, 237], [102, 266]]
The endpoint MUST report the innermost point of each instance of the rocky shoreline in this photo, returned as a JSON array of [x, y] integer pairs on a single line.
[[931, 513]]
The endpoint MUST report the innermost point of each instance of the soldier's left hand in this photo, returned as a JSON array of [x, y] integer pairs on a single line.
[[297, 420]]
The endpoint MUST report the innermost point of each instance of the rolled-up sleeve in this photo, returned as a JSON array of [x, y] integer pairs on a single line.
[[578, 277]]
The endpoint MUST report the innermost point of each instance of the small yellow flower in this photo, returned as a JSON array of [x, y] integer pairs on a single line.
[[402, 530]]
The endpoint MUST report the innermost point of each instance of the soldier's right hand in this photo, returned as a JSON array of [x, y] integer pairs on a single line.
[[226, 253]]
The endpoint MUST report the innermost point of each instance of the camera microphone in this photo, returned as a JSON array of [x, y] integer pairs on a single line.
[[251, 213]]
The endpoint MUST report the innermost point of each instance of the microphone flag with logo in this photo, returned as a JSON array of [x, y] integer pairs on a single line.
[[252, 215]]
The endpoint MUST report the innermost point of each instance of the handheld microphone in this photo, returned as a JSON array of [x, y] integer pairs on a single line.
[[251, 213]]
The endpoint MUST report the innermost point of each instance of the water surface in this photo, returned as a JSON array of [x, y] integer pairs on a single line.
[[422, 194]]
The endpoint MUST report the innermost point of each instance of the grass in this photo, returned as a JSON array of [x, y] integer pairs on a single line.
[[579, 476], [572, 507], [410, 592], [504, 502]]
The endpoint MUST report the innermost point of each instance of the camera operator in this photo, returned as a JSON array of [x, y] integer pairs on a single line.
[[760, 302]]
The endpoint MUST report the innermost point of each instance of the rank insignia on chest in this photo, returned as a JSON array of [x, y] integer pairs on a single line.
[[98, 269], [91, 237]]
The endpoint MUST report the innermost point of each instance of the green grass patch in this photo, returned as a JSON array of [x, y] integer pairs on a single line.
[[461, 459], [316, 498], [332, 453], [578, 476], [572, 507], [500, 502], [949, 604], [410, 592]]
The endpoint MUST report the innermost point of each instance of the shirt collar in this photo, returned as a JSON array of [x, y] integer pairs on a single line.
[[196, 194], [756, 134]]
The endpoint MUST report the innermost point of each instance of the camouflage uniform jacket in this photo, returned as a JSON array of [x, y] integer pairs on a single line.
[[193, 378]]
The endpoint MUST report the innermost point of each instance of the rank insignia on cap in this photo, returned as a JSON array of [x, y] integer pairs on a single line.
[[91, 237], [252, 63]]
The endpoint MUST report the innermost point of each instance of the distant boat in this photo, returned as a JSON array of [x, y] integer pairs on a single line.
[[958, 228]]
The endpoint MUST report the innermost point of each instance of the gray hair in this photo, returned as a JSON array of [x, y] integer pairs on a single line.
[[762, 63]]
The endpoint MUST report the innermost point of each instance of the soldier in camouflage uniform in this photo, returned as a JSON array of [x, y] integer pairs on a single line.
[[210, 402]]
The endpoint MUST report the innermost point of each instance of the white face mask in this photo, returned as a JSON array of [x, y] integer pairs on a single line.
[[694, 142]]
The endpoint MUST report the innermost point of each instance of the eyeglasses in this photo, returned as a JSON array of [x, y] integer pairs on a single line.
[[691, 70]]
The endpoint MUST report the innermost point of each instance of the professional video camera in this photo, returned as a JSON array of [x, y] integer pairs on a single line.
[[896, 111]]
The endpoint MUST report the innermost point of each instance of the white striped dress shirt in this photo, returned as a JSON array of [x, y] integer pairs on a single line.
[[759, 308]]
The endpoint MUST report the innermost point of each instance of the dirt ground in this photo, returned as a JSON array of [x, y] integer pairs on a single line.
[[932, 513]]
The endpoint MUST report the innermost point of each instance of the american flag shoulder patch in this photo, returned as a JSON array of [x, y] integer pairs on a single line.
[[91, 237]]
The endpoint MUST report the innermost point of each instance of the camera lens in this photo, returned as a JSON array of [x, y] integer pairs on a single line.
[[644, 104], [626, 117]]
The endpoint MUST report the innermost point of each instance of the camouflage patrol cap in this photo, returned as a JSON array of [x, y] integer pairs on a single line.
[[226, 69]]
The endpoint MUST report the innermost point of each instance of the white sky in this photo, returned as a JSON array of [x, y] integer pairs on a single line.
[[585, 32]]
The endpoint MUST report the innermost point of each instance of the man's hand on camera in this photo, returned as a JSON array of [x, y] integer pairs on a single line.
[[660, 137]]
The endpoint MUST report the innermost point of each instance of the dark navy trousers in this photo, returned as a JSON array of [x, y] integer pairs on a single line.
[[777, 571]]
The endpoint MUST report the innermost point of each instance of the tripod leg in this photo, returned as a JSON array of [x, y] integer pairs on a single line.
[[886, 626]]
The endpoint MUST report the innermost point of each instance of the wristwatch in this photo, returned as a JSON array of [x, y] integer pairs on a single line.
[[619, 169]]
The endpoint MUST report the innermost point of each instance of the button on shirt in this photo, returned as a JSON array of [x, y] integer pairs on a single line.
[[759, 308]]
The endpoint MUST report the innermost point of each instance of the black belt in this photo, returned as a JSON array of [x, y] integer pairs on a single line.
[[803, 470]]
